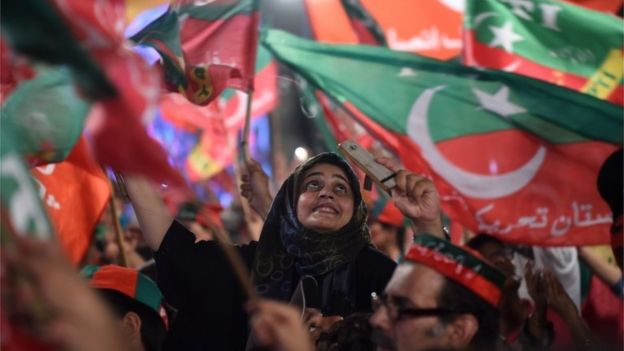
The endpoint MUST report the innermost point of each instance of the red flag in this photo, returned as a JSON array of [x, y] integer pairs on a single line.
[[117, 124], [75, 192], [205, 47]]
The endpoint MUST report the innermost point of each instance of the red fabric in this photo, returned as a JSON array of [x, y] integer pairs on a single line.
[[391, 215], [603, 312], [116, 278], [119, 136], [74, 192], [611, 6], [455, 271], [233, 44], [579, 160], [15, 339]]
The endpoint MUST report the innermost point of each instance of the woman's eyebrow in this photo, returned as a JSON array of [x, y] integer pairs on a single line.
[[312, 174], [341, 177]]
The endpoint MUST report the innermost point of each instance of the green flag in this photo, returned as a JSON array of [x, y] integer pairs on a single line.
[[46, 116], [510, 155], [554, 41], [18, 197]]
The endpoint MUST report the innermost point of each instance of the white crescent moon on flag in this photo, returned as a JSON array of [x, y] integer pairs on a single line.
[[471, 184]]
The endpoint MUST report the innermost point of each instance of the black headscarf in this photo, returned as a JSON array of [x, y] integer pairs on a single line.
[[286, 245]]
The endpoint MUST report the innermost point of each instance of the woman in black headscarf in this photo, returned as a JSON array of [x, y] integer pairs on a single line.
[[315, 229]]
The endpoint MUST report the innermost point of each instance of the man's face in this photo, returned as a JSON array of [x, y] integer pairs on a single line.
[[413, 286]]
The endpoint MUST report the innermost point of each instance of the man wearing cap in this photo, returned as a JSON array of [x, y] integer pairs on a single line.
[[136, 300], [442, 297]]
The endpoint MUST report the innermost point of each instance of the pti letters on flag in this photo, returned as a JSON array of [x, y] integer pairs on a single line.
[[205, 47], [74, 193], [550, 40], [430, 28], [510, 155]]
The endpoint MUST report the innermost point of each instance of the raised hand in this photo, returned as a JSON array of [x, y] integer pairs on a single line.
[[279, 326], [255, 188], [416, 197]]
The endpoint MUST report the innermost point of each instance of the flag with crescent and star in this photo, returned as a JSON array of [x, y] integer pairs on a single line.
[[555, 41], [510, 155]]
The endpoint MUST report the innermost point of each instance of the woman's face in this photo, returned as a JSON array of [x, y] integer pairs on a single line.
[[325, 200]]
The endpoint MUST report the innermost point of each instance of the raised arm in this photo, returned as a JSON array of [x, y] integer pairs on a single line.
[[255, 188], [154, 217], [608, 273], [417, 198]]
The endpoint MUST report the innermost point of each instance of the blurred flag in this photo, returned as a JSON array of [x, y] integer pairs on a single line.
[[501, 155], [220, 121], [612, 6], [18, 198], [430, 28], [74, 192], [205, 47], [46, 116], [550, 40]]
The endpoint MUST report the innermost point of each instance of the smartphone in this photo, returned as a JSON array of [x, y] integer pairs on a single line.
[[380, 174]]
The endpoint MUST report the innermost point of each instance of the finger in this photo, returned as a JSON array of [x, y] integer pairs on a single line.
[[389, 163], [411, 181], [401, 180], [421, 188]]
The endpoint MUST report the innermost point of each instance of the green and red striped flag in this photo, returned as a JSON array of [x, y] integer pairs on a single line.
[[555, 41], [205, 47], [510, 155]]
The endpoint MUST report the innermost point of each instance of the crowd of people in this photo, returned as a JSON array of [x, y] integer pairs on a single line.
[[327, 272]]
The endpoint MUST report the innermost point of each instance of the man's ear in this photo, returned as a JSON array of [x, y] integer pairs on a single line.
[[131, 323], [462, 330]]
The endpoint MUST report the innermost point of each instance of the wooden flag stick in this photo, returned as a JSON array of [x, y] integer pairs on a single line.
[[118, 230], [246, 127]]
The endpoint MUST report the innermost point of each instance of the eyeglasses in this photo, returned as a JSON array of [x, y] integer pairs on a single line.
[[396, 312]]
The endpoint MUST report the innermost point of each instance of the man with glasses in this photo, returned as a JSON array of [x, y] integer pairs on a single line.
[[442, 297]]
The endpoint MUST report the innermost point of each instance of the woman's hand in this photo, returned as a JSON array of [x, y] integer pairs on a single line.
[[255, 188], [417, 198], [279, 326]]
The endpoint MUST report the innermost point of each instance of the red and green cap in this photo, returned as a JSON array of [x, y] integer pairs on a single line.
[[129, 282], [460, 264]]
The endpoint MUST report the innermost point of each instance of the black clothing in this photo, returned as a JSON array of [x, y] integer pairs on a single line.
[[196, 278]]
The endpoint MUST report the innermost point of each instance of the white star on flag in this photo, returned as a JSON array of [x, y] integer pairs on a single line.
[[505, 36], [406, 72], [498, 103]]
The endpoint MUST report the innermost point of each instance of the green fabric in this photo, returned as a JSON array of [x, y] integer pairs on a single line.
[[45, 115], [556, 34], [18, 197], [358, 12], [219, 11], [148, 293], [384, 85]]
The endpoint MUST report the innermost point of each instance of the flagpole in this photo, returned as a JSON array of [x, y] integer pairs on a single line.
[[118, 231], [246, 127]]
